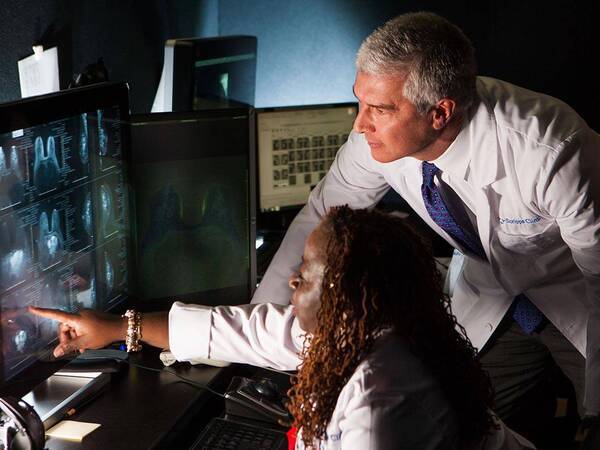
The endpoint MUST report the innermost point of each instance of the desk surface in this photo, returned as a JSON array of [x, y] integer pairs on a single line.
[[142, 409]]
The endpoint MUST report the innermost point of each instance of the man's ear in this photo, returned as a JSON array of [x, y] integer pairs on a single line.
[[441, 113]]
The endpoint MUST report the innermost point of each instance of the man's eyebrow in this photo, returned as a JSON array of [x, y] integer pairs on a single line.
[[385, 106]]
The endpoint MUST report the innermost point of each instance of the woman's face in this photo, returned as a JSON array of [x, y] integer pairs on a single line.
[[307, 284]]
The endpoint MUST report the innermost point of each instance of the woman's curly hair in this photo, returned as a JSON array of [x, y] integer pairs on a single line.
[[380, 274]]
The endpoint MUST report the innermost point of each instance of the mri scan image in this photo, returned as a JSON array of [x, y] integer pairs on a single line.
[[102, 136], [11, 178], [54, 294], [86, 215], [15, 254], [83, 140], [51, 239], [46, 170], [106, 209], [109, 273]]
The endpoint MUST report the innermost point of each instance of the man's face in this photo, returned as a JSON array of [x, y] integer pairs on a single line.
[[390, 123], [307, 283]]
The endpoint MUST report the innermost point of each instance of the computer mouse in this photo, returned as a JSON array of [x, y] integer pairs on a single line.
[[267, 388]]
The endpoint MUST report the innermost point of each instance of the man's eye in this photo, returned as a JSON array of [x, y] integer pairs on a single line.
[[380, 111]]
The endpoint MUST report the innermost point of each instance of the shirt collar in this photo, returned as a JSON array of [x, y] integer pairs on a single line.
[[455, 160]]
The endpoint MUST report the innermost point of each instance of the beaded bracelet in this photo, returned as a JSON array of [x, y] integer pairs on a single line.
[[134, 330]]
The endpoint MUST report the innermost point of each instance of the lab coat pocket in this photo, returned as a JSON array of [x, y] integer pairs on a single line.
[[530, 241]]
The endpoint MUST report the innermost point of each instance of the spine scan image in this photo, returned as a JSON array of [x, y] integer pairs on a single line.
[[45, 166], [51, 241], [11, 178]]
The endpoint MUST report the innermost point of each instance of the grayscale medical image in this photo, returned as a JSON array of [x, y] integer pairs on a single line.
[[102, 135], [106, 210], [15, 252], [46, 170], [50, 238], [12, 174], [86, 214], [83, 139]]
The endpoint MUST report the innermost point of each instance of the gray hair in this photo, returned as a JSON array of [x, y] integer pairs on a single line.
[[436, 57]]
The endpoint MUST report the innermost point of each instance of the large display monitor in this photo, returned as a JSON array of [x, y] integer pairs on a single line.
[[193, 178], [207, 73], [296, 147], [64, 214]]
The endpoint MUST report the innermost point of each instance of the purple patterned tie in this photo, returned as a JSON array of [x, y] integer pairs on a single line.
[[525, 313]]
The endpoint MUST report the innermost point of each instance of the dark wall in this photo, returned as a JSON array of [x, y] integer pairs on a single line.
[[305, 47], [128, 34]]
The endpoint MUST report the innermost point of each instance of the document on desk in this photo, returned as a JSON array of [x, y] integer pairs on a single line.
[[71, 430]]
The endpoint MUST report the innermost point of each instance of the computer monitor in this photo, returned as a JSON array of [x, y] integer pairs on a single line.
[[207, 73], [193, 179], [64, 215], [296, 147]]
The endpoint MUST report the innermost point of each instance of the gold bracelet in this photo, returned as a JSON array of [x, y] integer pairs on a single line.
[[134, 330]]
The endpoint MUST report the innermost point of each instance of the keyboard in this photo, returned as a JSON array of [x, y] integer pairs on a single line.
[[227, 434]]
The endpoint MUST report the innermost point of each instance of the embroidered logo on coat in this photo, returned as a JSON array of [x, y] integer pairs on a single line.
[[519, 220]]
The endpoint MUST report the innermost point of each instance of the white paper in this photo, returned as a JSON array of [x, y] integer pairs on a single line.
[[71, 430], [38, 73]]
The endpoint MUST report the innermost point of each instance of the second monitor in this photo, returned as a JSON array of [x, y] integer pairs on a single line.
[[296, 147]]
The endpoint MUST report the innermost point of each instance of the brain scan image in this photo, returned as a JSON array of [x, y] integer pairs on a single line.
[[106, 208], [86, 215], [83, 140], [50, 242], [45, 165], [102, 136], [14, 253], [11, 178]]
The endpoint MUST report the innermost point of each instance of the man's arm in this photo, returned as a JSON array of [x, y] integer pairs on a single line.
[[353, 179], [571, 194]]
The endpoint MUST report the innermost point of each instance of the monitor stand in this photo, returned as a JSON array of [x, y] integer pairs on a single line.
[[57, 395]]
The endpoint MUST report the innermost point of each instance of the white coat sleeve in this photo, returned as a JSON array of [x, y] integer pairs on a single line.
[[353, 179], [265, 335], [570, 193]]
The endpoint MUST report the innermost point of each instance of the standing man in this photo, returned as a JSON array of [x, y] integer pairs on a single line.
[[509, 177]]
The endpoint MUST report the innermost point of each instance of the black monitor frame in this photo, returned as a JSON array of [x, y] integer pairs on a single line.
[[239, 111], [187, 51], [39, 110]]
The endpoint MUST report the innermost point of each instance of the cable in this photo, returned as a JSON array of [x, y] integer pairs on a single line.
[[184, 379]]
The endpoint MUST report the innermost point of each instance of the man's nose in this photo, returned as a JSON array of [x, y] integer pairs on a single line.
[[363, 123]]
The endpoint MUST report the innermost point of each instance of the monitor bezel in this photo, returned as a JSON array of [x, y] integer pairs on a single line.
[[241, 110], [37, 110]]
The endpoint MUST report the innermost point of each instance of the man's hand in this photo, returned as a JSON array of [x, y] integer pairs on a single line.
[[83, 330]]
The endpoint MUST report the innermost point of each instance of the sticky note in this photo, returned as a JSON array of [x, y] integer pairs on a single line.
[[71, 430]]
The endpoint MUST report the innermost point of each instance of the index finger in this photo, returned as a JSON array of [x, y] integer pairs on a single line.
[[54, 314]]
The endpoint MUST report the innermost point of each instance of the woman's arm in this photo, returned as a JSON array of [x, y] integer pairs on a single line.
[[92, 329]]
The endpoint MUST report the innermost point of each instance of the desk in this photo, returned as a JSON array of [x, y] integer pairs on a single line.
[[141, 409]]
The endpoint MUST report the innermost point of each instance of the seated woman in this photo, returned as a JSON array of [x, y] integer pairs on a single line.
[[382, 362]]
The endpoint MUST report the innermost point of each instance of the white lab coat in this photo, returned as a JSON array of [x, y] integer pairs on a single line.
[[390, 402], [534, 166]]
